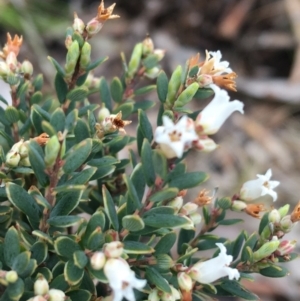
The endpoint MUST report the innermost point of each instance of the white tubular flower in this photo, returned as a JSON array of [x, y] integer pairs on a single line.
[[175, 295], [254, 189], [219, 67], [174, 139], [122, 279], [213, 269], [209, 121]]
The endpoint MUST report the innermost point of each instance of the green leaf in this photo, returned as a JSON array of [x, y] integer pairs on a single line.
[[224, 203], [24, 202], [208, 241], [36, 98], [30, 269], [164, 195], [155, 278], [72, 273], [78, 94], [133, 223], [57, 120], [64, 221], [15, 290], [61, 87], [57, 66], [135, 247], [185, 236], [37, 162], [147, 163], [65, 246], [164, 221], [188, 180], [80, 259], [79, 295], [144, 90], [71, 120], [76, 156], [126, 109], [82, 177], [110, 209], [238, 243], [66, 203], [263, 222], [21, 262], [96, 240], [103, 172], [138, 180], [96, 63], [81, 130], [82, 79], [116, 90], [237, 290], [165, 243], [105, 94], [187, 95], [145, 125], [39, 251], [12, 114], [11, 246], [150, 61], [160, 164], [174, 85], [229, 222], [203, 93], [133, 202], [38, 82], [162, 86], [274, 271]]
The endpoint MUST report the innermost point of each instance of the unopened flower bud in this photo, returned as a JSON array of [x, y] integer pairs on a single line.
[[78, 24], [27, 68], [196, 218], [274, 216], [12, 159], [159, 53], [286, 224], [154, 296], [4, 69], [152, 73], [175, 295], [98, 260], [113, 249], [93, 27], [37, 298], [25, 162], [135, 59], [238, 206], [283, 211], [11, 277], [11, 61], [16, 147], [148, 46], [286, 247], [189, 208], [23, 150], [56, 295], [103, 113], [204, 80], [41, 286], [189, 225], [185, 282], [176, 203], [85, 57]]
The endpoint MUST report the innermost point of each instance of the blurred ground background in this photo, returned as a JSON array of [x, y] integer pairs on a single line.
[[260, 39]]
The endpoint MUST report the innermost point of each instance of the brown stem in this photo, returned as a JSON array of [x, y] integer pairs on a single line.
[[206, 228]]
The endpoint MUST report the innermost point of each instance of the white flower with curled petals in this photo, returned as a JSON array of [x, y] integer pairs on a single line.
[[174, 139], [219, 66], [254, 189], [212, 117], [213, 269], [122, 279]]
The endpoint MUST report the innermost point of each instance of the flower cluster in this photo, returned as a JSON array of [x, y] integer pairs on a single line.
[[43, 293], [211, 71], [120, 277], [175, 139], [18, 154]]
